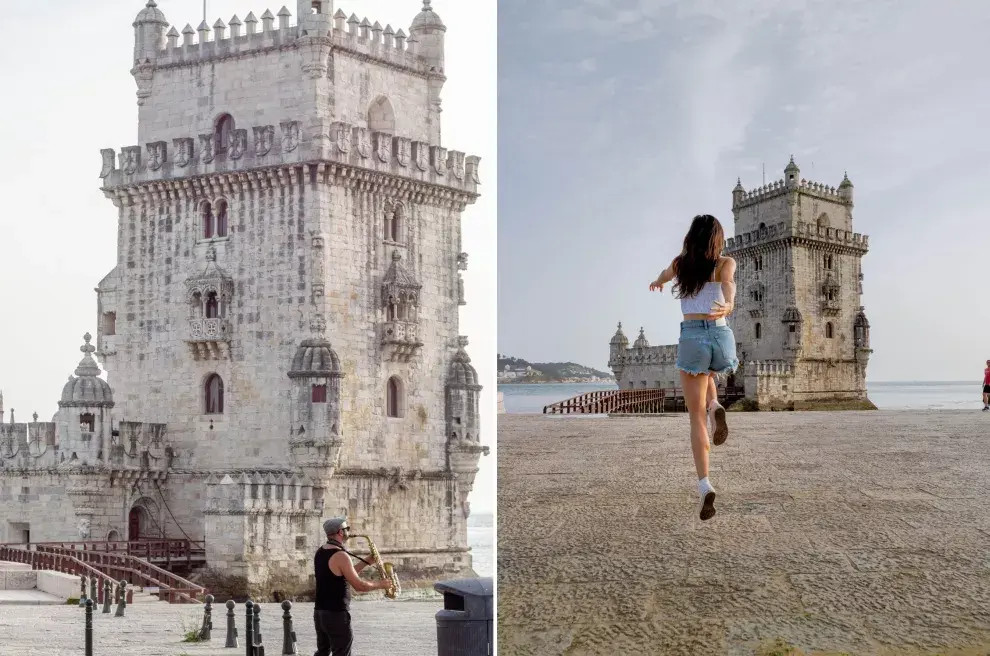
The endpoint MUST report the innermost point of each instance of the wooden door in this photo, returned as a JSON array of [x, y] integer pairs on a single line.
[[134, 524]]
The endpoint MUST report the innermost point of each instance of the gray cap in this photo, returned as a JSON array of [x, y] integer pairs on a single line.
[[331, 526]]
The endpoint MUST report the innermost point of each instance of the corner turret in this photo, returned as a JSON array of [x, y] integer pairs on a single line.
[[641, 341], [83, 417], [315, 17], [846, 189], [738, 193], [792, 174], [428, 30], [149, 33]]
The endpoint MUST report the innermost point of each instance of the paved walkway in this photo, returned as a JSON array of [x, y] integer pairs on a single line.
[[396, 628], [862, 533]]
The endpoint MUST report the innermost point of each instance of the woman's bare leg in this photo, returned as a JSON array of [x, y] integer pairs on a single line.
[[695, 397], [695, 393]]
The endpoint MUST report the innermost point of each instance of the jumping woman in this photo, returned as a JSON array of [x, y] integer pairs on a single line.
[[705, 284]]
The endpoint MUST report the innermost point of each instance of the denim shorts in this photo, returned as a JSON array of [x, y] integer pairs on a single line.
[[705, 347]]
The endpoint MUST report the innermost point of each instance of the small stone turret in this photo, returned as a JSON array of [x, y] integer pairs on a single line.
[[738, 193], [792, 174], [149, 33], [83, 417], [428, 30], [315, 434], [617, 351], [315, 17], [846, 188], [641, 341], [464, 448]]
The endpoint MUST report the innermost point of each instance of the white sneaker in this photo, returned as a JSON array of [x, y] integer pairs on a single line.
[[718, 430], [706, 508]]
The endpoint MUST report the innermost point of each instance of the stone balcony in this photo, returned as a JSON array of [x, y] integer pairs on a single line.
[[401, 340], [209, 339], [831, 308]]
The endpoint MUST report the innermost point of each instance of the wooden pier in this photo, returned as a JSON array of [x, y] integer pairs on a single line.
[[633, 401]]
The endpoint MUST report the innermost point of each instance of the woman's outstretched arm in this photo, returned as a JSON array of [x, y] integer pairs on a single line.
[[666, 276], [728, 276]]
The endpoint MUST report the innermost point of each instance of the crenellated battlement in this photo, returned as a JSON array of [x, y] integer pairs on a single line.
[[664, 354], [800, 230], [265, 146], [238, 38], [36, 445], [779, 188]]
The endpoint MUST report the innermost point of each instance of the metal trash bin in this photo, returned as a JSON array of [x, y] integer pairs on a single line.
[[464, 626]]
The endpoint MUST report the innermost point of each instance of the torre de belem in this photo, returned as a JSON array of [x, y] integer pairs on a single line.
[[802, 335], [280, 331]]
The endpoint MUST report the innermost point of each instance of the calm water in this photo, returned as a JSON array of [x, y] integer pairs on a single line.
[[481, 538], [521, 399]]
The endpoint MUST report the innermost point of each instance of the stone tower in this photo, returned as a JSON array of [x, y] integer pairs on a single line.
[[285, 297], [802, 331]]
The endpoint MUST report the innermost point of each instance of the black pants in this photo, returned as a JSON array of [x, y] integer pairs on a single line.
[[333, 633]]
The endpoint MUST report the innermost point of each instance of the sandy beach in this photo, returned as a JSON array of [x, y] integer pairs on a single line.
[[855, 533]]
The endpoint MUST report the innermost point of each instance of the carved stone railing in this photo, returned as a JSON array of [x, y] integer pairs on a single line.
[[209, 338], [401, 340]]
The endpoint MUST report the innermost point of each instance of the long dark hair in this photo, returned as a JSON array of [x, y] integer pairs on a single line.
[[702, 247]]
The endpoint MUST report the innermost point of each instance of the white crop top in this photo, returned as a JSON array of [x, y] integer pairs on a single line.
[[702, 302]]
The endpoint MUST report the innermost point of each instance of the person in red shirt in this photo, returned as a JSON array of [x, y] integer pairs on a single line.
[[986, 387]]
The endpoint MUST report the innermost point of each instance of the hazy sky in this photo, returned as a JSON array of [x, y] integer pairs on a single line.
[[621, 119], [69, 93]]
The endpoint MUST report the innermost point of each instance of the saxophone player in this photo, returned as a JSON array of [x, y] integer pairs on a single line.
[[336, 574]]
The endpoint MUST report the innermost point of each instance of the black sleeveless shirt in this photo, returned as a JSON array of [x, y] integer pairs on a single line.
[[332, 591]]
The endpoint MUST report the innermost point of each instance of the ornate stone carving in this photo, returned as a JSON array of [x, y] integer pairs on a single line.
[[457, 164], [462, 261], [383, 146], [439, 159], [341, 133], [84, 527], [157, 154], [290, 135], [109, 162], [207, 148], [363, 139], [238, 143], [183, 151], [403, 149], [131, 157], [264, 139], [421, 155]]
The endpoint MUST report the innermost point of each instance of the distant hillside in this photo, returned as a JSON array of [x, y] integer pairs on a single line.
[[518, 370]]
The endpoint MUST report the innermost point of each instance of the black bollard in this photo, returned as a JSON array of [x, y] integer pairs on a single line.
[[249, 629], [82, 590], [107, 590], [121, 598], [204, 633], [231, 625], [89, 627], [259, 643], [288, 634]]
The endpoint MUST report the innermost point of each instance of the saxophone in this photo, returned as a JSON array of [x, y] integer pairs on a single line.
[[385, 570]]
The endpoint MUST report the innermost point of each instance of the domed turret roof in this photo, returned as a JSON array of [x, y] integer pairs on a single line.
[[461, 374], [641, 340], [86, 388], [315, 358], [150, 14], [619, 337], [427, 18]]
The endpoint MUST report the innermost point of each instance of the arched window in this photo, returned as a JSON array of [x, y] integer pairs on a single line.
[[393, 222], [221, 134], [762, 226], [393, 398], [829, 331], [759, 331], [381, 116], [221, 218], [758, 263], [109, 323], [828, 262], [209, 222], [319, 394], [213, 394], [823, 220], [87, 423], [212, 306]]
